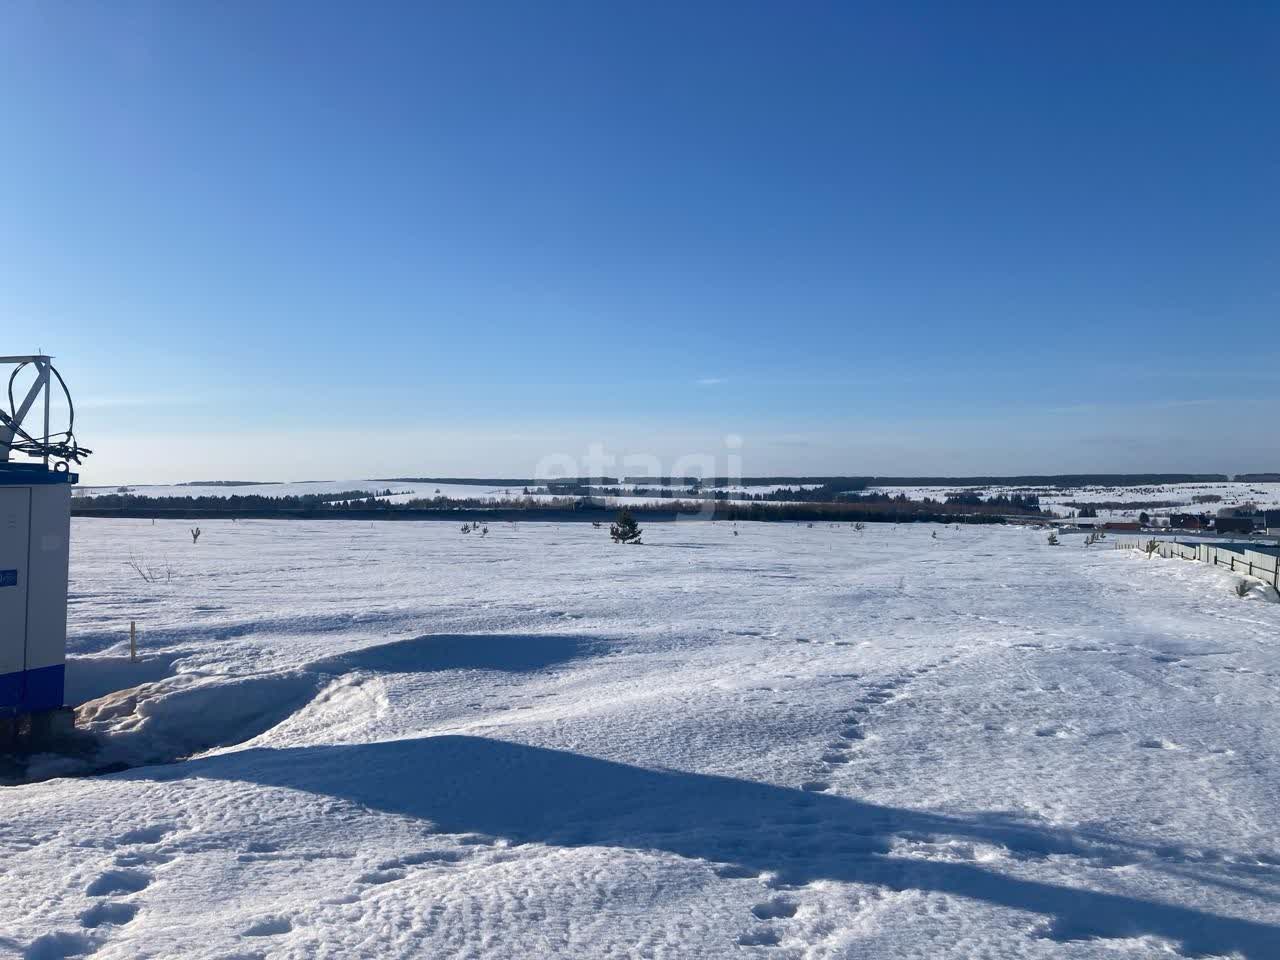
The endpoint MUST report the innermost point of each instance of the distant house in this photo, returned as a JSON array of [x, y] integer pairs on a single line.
[[1233, 525], [1271, 521], [1186, 521], [1122, 525]]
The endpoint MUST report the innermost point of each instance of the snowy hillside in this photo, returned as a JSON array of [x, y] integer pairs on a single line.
[[1182, 496], [790, 742]]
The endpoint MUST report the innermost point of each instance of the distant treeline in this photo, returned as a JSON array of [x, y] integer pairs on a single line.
[[1052, 480], [839, 491], [230, 504], [894, 511], [229, 483], [862, 482], [815, 494], [1258, 477], [845, 483], [878, 508], [1123, 505], [477, 481]]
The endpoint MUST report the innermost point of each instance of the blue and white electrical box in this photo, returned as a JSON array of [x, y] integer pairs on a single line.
[[35, 529]]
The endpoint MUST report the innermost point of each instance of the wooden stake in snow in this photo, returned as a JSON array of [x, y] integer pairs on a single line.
[[133, 641]]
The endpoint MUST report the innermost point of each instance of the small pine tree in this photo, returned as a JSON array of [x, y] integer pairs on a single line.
[[625, 530], [1053, 539]]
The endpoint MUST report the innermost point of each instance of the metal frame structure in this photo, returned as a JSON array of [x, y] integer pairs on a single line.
[[9, 426], [58, 446]]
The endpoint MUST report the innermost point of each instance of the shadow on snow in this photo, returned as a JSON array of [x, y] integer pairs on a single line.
[[512, 653], [528, 794]]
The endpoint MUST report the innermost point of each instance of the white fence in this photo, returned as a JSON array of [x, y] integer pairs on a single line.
[[1255, 561]]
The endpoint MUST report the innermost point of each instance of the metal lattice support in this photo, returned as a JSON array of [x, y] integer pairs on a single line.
[[14, 438]]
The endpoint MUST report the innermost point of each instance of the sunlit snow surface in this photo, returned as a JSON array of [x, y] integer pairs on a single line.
[[793, 742]]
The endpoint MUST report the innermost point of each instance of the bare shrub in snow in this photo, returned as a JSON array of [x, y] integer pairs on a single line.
[[1053, 539], [1150, 547], [152, 573], [1242, 588], [195, 534]]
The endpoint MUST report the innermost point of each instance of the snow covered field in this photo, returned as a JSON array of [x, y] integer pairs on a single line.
[[794, 742], [1232, 493]]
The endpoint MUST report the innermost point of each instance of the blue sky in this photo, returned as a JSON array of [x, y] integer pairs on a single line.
[[292, 240]]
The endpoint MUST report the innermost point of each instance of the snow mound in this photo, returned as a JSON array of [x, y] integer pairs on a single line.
[[190, 713]]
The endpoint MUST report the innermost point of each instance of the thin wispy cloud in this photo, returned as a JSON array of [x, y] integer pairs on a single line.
[[1102, 406], [711, 381]]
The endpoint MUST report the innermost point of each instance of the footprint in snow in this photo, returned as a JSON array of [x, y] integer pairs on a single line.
[[57, 945], [1055, 732], [112, 914], [424, 856], [141, 858], [759, 938], [118, 881], [736, 871], [776, 909], [379, 877], [269, 927], [152, 834]]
